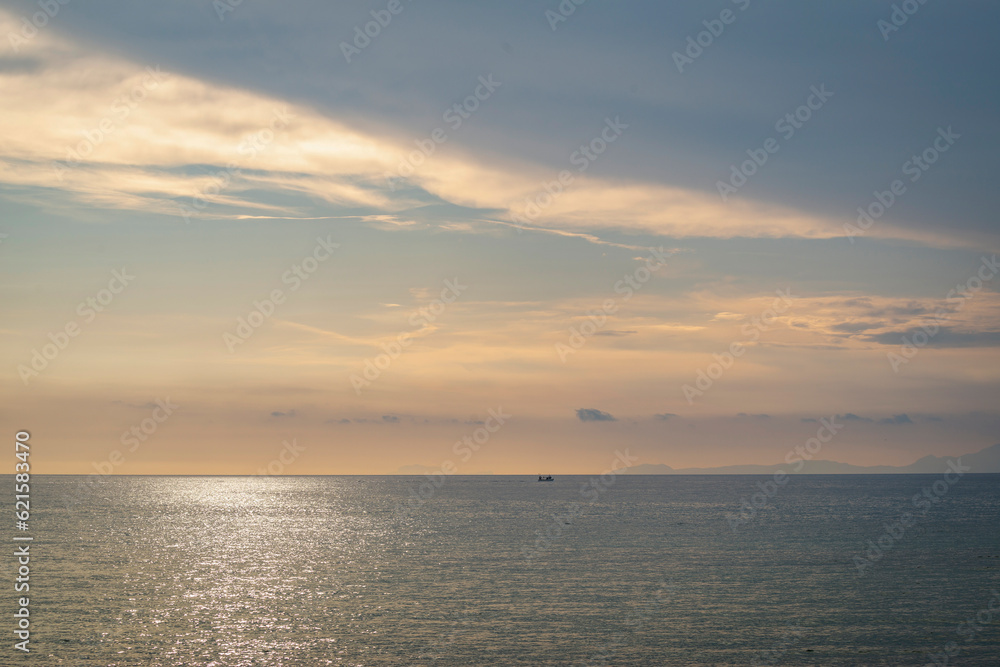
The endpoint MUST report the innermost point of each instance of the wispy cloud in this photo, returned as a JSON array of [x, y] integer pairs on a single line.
[[172, 147]]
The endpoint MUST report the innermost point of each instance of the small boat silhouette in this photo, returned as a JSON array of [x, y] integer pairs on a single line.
[[546, 478]]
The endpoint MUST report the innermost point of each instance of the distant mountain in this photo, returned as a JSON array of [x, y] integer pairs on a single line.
[[987, 460]]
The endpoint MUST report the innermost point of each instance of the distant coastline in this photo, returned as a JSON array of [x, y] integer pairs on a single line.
[[983, 461]]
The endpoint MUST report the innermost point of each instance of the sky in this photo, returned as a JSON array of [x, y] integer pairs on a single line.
[[519, 237]]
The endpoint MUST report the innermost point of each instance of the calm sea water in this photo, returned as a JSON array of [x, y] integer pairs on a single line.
[[643, 571]]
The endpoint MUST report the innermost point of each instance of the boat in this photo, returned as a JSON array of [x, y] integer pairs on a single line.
[[546, 478]]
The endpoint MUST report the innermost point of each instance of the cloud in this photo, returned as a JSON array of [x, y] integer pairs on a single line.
[[615, 332], [944, 338], [896, 419], [851, 417], [664, 416], [861, 322], [757, 416], [276, 413], [17, 65], [593, 415], [728, 317], [855, 327], [911, 309], [405, 418], [172, 146]]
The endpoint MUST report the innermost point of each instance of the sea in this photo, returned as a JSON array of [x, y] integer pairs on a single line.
[[507, 570]]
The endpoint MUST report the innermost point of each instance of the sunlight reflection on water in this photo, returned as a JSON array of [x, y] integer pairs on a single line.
[[324, 571]]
